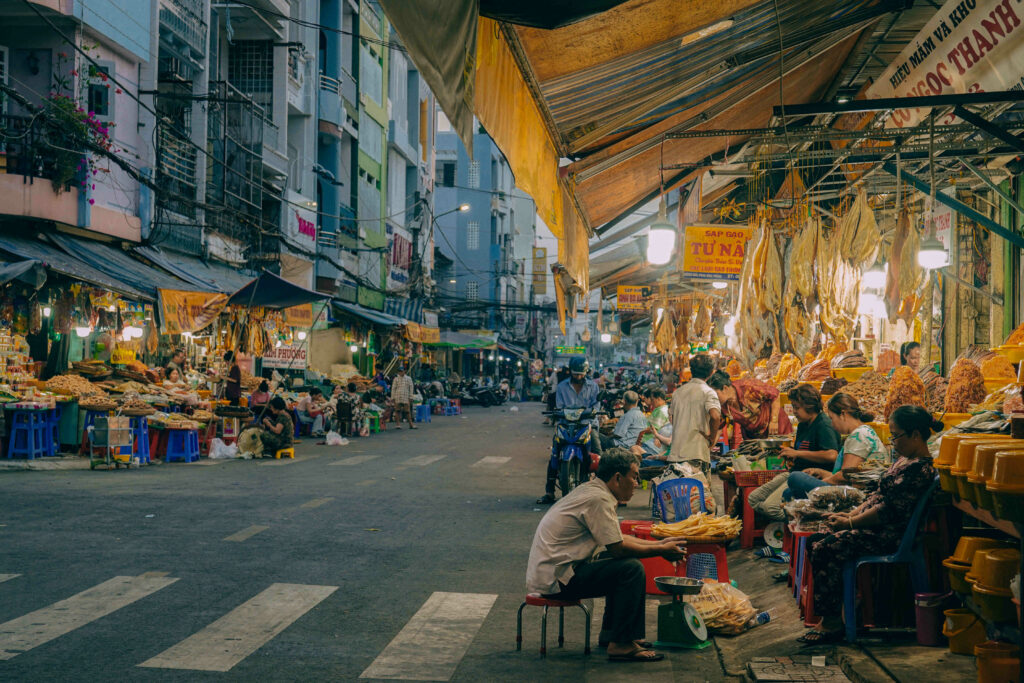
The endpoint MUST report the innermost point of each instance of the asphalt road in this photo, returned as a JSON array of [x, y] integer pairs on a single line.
[[399, 556]]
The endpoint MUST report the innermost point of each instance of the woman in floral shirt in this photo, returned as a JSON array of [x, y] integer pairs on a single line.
[[751, 404], [877, 525]]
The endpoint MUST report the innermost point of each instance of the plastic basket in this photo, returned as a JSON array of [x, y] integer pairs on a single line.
[[755, 477], [701, 566]]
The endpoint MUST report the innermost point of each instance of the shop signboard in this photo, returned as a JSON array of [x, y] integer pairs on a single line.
[[299, 316], [714, 252], [520, 327], [571, 350], [944, 219], [285, 357], [182, 311], [540, 270], [422, 334], [301, 222], [966, 47], [631, 298]]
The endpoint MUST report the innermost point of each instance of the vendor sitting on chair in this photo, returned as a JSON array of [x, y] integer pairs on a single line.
[[567, 562], [277, 429]]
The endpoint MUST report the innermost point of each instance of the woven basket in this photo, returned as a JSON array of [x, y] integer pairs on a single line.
[[98, 407], [698, 540], [137, 412], [755, 477]]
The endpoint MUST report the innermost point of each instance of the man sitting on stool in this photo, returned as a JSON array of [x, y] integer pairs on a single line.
[[566, 562]]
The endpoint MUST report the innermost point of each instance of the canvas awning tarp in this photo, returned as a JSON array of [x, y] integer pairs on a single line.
[[368, 314], [272, 291], [461, 340], [31, 272], [203, 275]]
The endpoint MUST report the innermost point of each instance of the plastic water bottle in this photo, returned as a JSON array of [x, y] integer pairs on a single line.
[[758, 619]]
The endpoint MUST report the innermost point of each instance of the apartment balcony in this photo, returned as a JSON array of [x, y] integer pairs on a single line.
[[398, 139], [300, 93], [176, 171], [183, 28], [336, 105]]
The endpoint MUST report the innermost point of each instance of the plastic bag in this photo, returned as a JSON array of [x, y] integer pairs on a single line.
[[836, 498], [222, 451], [724, 608], [336, 439]]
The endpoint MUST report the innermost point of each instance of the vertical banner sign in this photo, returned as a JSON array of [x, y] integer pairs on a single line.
[[968, 46], [540, 270], [714, 252], [631, 298], [188, 311]]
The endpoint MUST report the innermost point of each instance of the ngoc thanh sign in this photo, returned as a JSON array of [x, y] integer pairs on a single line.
[[714, 252]]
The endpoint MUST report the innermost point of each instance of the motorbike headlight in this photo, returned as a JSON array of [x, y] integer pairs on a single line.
[[573, 414]]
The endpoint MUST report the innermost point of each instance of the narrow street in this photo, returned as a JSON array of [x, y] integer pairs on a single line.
[[400, 556]]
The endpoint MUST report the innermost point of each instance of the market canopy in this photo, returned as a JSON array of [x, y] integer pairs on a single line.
[[461, 340], [30, 271], [202, 275], [273, 291], [368, 314]]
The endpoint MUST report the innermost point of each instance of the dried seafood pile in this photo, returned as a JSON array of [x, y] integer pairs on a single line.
[[832, 386], [998, 367], [976, 354], [936, 386], [1017, 336], [831, 351], [850, 359], [250, 382], [887, 360], [870, 391], [905, 388], [73, 385], [788, 369], [818, 371], [966, 387]]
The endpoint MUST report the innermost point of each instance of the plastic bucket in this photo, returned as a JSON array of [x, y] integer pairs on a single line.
[[928, 610], [965, 629], [997, 662]]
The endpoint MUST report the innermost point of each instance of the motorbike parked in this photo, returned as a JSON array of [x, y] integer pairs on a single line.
[[570, 449]]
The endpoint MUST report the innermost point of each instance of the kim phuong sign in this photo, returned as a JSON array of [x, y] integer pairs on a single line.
[[714, 252]]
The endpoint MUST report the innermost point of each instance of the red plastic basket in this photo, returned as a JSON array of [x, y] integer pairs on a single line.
[[755, 477]]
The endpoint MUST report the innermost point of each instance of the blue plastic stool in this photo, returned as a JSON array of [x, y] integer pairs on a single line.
[[908, 553], [182, 444], [140, 435], [450, 410], [28, 434], [423, 413]]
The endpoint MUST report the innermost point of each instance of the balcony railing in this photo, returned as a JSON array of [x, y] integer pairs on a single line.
[[26, 151], [176, 166]]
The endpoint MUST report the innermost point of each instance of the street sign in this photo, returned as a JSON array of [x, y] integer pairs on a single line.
[[631, 298], [571, 350]]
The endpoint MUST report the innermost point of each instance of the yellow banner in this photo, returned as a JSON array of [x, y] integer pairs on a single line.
[[714, 252], [630, 298], [299, 316], [188, 311], [422, 334]]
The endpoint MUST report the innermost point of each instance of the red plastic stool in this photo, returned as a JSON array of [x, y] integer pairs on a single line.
[[536, 600], [715, 549]]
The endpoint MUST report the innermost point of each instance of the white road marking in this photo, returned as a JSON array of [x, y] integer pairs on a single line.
[[367, 482], [423, 460], [248, 532], [355, 460], [431, 645], [316, 502], [491, 460], [32, 630], [243, 630], [8, 577]]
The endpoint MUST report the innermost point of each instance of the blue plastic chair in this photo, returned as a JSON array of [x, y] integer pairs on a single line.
[[908, 553], [679, 490]]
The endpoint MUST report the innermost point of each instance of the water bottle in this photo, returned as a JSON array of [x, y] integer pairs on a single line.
[[758, 619]]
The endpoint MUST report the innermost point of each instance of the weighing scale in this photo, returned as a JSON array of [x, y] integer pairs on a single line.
[[679, 624]]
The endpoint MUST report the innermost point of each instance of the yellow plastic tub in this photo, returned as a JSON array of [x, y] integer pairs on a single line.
[[1007, 485], [965, 630], [981, 470], [994, 383], [967, 546], [964, 462], [957, 575], [999, 567], [950, 420], [997, 662], [851, 375], [994, 605], [1014, 352], [882, 430]]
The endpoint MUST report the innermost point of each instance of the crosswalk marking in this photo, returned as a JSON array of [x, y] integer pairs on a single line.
[[423, 460], [356, 460], [8, 577], [248, 532], [434, 641], [29, 631], [491, 460], [316, 502], [243, 630]]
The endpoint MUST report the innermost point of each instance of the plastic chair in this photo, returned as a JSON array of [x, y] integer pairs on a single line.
[[285, 453], [537, 600], [679, 490], [182, 444], [28, 436], [908, 553]]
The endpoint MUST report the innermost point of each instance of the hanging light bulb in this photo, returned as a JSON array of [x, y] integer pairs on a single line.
[[277, 344], [932, 254], [875, 278], [354, 348], [112, 308], [657, 318], [301, 335], [719, 284], [606, 338], [47, 311], [83, 331], [661, 240], [730, 327]]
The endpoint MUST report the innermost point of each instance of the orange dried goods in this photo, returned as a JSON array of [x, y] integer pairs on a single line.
[[998, 367], [966, 387], [905, 388]]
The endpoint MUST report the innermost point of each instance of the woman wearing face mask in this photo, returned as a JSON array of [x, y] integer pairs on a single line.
[[861, 445], [876, 526]]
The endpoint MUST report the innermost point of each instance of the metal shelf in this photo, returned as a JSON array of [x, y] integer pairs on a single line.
[[987, 517]]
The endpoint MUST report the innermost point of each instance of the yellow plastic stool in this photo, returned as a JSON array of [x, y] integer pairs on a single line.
[[285, 453]]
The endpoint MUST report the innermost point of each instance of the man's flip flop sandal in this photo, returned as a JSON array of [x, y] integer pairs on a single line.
[[765, 551], [637, 656], [645, 644]]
